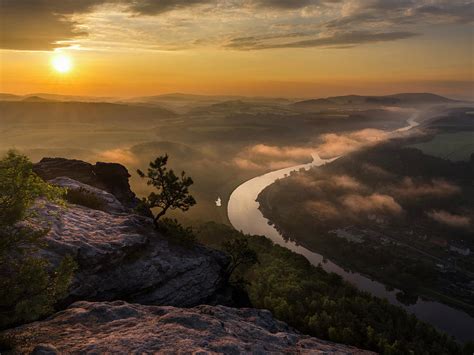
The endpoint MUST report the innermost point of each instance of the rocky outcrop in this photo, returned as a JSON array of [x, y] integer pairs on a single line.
[[110, 177], [108, 202], [121, 256], [124, 328]]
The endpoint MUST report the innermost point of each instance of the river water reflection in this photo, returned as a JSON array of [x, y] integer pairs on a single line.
[[245, 216]]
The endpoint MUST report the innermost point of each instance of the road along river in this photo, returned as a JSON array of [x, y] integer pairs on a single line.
[[245, 216]]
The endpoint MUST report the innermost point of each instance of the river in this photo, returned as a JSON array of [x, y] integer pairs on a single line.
[[244, 215]]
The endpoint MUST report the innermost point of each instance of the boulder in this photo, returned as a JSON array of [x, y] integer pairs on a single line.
[[108, 201], [123, 328], [110, 177], [121, 256]]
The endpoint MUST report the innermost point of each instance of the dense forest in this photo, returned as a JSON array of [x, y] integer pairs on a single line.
[[391, 212], [322, 304]]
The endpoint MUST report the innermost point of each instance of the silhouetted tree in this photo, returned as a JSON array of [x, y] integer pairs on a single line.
[[173, 191], [240, 254]]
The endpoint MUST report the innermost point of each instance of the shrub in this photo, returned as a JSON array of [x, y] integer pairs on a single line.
[[176, 232], [29, 286], [241, 256], [85, 198]]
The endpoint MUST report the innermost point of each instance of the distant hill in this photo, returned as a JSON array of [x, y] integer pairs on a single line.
[[45, 112], [10, 97], [420, 98], [177, 102], [192, 103], [35, 99], [189, 102], [76, 98], [243, 107], [185, 97], [404, 99], [195, 97]]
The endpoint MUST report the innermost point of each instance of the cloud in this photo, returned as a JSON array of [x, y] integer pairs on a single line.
[[262, 156], [156, 7], [371, 203], [332, 145], [40, 24], [284, 4], [446, 12], [246, 164], [450, 219], [409, 188], [240, 24], [338, 40], [339, 144], [332, 183], [322, 210], [376, 171], [279, 152], [118, 155], [346, 182], [390, 13]]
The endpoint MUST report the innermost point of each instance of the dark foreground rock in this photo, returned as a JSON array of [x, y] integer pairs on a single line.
[[110, 177], [121, 256], [119, 327]]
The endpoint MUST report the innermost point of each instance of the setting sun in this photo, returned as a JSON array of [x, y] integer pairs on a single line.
[[62, 63]]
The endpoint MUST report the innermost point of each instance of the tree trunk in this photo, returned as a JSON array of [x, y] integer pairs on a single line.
[[158, 216]]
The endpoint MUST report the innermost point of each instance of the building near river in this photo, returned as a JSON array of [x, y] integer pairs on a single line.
[[460, 249]]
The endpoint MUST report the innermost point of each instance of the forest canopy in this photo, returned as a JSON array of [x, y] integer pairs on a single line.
[[322, 304]]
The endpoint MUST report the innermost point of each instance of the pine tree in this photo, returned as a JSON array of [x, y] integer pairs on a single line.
[[172, 190]]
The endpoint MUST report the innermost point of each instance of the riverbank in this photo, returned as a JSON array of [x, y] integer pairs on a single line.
[[245, 216], [345, 256]]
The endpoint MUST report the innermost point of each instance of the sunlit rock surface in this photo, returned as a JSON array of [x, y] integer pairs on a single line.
[[119, 327]]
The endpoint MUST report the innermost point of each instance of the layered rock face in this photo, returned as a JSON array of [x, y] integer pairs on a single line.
[[121, 256], [119, 327]]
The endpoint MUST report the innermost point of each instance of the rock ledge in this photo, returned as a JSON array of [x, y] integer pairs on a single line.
[[120, 327], [121, 256]]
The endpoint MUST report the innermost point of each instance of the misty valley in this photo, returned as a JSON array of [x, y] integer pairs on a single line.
[[374, 191]]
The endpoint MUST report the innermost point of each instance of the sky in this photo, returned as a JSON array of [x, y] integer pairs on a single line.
[[291, 48]]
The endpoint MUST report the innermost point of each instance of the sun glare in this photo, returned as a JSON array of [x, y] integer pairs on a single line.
[[62, 63]]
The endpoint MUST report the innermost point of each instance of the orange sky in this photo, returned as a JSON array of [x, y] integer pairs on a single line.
[[267, 48]]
